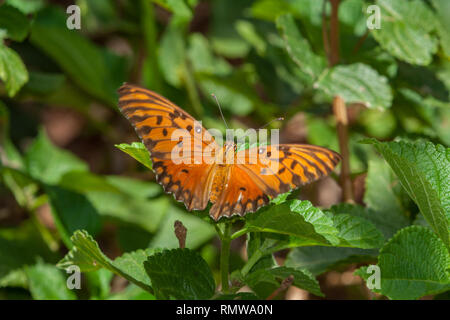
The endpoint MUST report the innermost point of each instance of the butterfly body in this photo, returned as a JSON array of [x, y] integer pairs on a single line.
[[235, 182], [221, 177]]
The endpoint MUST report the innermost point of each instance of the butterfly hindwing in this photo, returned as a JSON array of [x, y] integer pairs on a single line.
[[270, 171]]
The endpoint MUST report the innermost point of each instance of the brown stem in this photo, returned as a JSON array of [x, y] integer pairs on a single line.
[[340, 113], [180, 233], [360, 42], [339, 109], [286, 283], [326, 40], [334, 36]]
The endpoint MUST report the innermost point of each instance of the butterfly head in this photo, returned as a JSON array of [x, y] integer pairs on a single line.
[[230, 149]]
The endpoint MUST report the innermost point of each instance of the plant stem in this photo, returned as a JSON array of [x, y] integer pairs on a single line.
[[239, 233], [340, 113], [334, 32], [326, 40], [339, 108], [151, 77], [265, 248], [251, 262], [225, 257]]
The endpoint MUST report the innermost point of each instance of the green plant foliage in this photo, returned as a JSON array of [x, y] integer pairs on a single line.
[[87, 255], [26, 6], [97, 71], [443, 24], [21, 247], [72, 211], [299, 49], [138, 151], [357, 83], [48, 283], [12, 70], [265, 281], [307, 225], [423, 169], [318, 259], [47, 163], [180, 273], [413, 263], [14, 22], [406, 30]]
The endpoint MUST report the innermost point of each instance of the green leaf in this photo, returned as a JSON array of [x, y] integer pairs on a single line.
[[21, 246], [265, 281], [12, 70], [41, 83], [172, 56], [10, 156], [386, 222], [232, 92], [298, 219], [443, 23], [202, 58], [16, 278], [72, 211], [132, 292], [256, 244], [424, 171], [26, 6], [270, 9], [414, 263], [181, 274], [306, 225], [224, 38], [237, 296], [46, 282], [248, 31], [138, 151], [356, 83], [95, 70], [135, 188], [132, 264], [182, 13], [357, 232], [117, 198], [87, 255], [405, 30], [381, 183], [319, 259], [14, 22], [299, 49], [47, 163], [99, 283]]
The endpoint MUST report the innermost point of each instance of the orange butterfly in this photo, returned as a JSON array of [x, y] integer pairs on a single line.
[[236, 188]]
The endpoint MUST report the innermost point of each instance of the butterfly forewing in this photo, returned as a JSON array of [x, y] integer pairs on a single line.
[[167, 131]]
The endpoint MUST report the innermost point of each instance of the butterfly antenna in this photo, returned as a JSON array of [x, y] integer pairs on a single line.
[[268, 123], [220, 109]]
